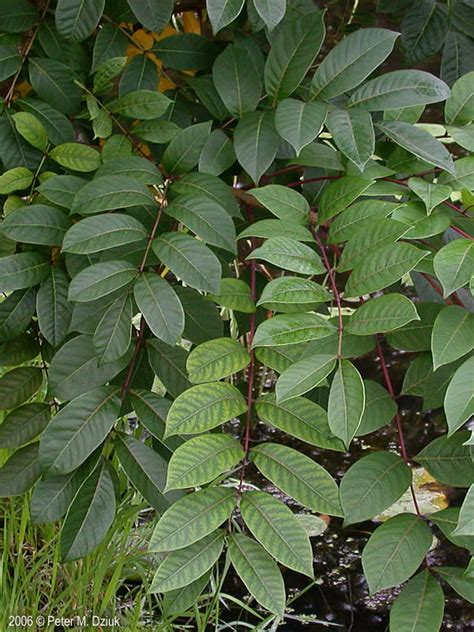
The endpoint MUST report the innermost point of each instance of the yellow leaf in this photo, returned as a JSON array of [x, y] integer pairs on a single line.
[[22, 89], [191, 22], [166, 32], [152, 57], [165, 84], [133, 51]]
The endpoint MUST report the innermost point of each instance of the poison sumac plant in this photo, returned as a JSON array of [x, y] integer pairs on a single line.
[[192, 206]]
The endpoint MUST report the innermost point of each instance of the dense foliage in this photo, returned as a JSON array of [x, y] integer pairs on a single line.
[[210, 217]]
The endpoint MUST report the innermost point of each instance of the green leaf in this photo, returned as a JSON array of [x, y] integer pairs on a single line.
[[379, 410], [76, 156], [23, 270], [357, 217], [181, 599], [384, 267], [152, 14], [202, 459], [381, 314], [135, 167], [78, 429], [416, 336], [182, 154], [90, 515], [269, 228], [218, 153], [57, 126], [23, 424], [395, 550], [420, 605], [186, 51], [237, 81], [146, 469], [77, 19], [96, 234], [351, 61], [190, 260], [431, 194], [181, 567], [300, 418], [259, 573], [53, 309], [274, 525], [113, 335], [399, 89], [109, 193], [419, 224], [346, 402], [223, 12], [424, 29], [151, 410], [298, 476], [15, 180], [256, 143], [20, 472], [453, 264], [208, 185], [18, 385], [292, 53], [447, 520], [340, 194], [216, 359], [353, 134], [141, 104], [286, 329], [418, 142], [234, 294], [169, 364], [31, 129], [304, 375], [36, 224], [466, 515], [60, 190], [319, 155], [16, 311], [459, 580], [160, 306], [374, 483], [202, 319], [293, 294], [191, 518], [452, 336], [271, 12], [369, 237], [204, 407], [10, 61], [101, 279], [299, 123], [284, 203], [206, 219], [55, 83], [17, 15], [459, 108], [109, 42], [459, 399], [289, 254], [449, 460], [75, 370]]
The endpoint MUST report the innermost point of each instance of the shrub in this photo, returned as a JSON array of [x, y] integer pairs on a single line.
[[191, 206]]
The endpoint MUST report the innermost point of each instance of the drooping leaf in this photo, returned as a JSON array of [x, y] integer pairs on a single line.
[[459, 398], [259, 573], [453, 264], [18, 385], [256, 143], [395, 550], [20, 472], [160, 307], [420, 605], [237, 81], [298, 476], [304, 375], [90, 515], [181, 567], [373, 484], [101, 279], [53, 309], [299, 123], [353, 134], [346, 401], [77, 19], [289, 254], [78, 429]]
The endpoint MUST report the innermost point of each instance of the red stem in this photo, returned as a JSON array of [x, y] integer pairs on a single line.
[[335, 291], [401, 438]]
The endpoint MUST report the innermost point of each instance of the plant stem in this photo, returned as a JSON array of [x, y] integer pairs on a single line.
[[25, 53], [401, 438], [335, 291]]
